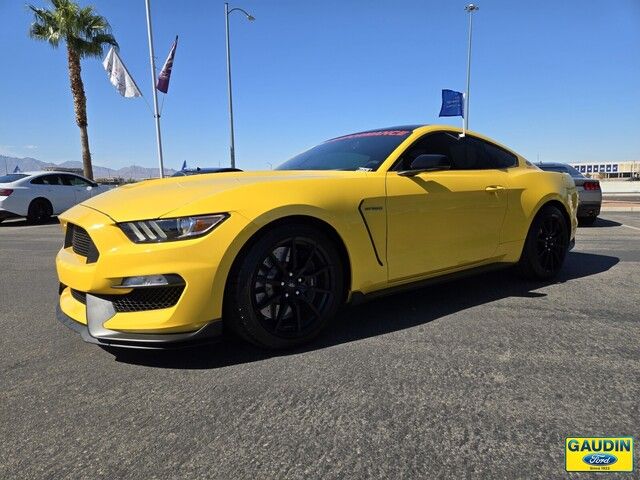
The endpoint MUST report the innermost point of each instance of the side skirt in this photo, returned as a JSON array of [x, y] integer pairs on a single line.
[[358, 297]]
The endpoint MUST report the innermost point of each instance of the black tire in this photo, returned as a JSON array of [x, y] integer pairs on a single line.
[[285, 288], [586, 221], [546, 245], [40, 211]]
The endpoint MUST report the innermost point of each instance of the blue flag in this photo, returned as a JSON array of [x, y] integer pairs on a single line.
[[184, 165], [452, 104]]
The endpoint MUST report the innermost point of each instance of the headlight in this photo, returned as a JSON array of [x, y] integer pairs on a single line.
[[171, 229]]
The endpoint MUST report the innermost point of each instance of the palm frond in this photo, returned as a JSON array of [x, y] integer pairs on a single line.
[[82, 28]]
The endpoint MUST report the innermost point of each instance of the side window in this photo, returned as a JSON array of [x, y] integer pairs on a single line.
[[468, 154], [464, 153], [75, 181], [499, 158], [432, 143], [47, 180]]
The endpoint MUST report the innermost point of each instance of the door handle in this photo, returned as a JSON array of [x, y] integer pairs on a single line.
[[493, 188]]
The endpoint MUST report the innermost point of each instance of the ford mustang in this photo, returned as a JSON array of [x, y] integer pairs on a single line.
[[271, 256]]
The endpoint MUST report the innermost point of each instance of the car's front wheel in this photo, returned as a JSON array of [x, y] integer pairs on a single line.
[[285, 287], [546, 245]]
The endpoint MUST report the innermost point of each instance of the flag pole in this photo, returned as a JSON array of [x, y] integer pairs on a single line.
[[464, 115], [153, 86], [469, 8]]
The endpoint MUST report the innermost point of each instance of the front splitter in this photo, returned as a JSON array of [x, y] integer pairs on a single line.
[[206, 334]]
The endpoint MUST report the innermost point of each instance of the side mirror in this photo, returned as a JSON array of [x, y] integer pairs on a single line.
[[426, 163]]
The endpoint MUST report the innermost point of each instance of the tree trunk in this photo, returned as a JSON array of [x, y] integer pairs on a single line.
[[80, 105]]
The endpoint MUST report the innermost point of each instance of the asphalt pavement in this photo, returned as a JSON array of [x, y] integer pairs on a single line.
[[478, 378]]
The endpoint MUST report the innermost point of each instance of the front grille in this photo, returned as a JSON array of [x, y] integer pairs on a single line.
[[140, 299], [79, 240]]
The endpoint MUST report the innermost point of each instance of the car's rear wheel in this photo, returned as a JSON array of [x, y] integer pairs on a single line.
[[546, 245], [285, 288], [39, 211]]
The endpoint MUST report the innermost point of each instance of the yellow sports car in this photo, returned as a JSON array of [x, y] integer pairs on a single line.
[[272, 255]]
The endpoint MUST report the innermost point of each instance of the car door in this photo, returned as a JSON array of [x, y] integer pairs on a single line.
[[52, 187], [83, 189], [448, 219]]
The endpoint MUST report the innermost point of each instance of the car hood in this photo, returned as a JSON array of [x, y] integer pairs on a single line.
[[158, 198]]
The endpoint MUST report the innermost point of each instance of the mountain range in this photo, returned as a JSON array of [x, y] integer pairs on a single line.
[[28, 164]]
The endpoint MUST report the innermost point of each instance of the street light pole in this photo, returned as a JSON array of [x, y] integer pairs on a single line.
[[232, 145], [469, 8]]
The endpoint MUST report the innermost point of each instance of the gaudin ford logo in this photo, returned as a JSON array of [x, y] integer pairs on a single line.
[[599, 454], [599, 459]]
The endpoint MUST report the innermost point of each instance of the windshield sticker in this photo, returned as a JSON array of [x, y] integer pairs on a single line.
[[380, 133]]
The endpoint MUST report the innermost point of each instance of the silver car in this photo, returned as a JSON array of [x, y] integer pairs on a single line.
[[589, 191]]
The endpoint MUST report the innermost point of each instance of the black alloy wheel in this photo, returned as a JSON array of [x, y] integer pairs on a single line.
[[288, 286], [546, 245], [551, 243]]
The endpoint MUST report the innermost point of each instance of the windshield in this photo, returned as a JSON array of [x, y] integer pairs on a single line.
[[359, 151], [12, 177], [562, 169]]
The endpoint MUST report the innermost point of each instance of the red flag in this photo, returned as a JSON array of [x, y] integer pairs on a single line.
[[165, 73]]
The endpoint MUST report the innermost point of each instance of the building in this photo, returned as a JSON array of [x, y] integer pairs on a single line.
[[604, 170]]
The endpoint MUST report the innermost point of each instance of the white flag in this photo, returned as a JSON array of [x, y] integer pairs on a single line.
[[119, 76]]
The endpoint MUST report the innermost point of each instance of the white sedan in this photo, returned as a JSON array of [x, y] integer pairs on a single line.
[[39, 195]]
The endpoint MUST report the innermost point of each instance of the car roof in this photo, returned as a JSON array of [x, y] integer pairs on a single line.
[[47, 172]]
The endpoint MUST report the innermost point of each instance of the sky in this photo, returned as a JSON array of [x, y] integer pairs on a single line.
[[553, 80]]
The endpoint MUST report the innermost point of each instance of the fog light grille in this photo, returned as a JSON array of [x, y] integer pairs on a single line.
[[138, 300]]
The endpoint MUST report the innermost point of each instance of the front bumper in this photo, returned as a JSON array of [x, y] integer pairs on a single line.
[[205, 334], [92, 266]]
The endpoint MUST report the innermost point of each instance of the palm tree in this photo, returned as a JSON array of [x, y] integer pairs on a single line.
[[85, 34]]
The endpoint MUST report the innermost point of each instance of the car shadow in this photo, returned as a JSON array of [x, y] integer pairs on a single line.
[[602, 222], [378, 317], [22, 222]]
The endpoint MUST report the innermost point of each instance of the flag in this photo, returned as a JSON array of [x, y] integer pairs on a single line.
[[452, 104], [119, 75], [184, 165], [17, 169], [165, 73]]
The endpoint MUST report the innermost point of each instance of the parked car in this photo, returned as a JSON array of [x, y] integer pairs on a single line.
[[272, 255], [198, 171], [589, 191], [39, 195]]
